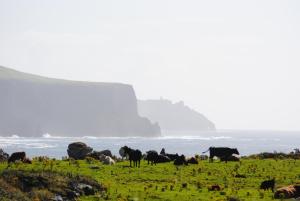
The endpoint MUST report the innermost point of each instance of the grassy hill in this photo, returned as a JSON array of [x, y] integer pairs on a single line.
[[11, 74], [238, 180]]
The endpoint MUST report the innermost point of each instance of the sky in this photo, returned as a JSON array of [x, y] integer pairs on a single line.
[[236, 62]]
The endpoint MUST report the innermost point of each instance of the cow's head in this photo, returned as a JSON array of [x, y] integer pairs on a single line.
[[235, 151], [124, 151]]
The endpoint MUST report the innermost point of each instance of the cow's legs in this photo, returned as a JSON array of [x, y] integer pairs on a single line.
[[211, 158]]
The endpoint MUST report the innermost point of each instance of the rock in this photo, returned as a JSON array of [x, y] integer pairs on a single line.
[[85, 189], [71, 195], [106, 153], [17, 156], [55, 185], [3, 156], [174, 116], [58, 198], [102, 157], [79, 150], [97, 154]]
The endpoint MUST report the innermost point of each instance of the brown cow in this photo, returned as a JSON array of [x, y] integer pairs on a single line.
[[21, 156], [214, 188], [292, 191]]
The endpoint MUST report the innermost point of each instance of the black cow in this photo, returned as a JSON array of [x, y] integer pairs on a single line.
[[221, 152], [230, 158], [180, 160], [192, 161], [171, 156], [97, 154], [135, 155], [21, 156], [268, 184], [152, 156], [27, 160], [163, 159], [163, 152]]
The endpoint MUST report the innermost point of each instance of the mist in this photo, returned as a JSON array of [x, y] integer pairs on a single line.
[[236, 62]]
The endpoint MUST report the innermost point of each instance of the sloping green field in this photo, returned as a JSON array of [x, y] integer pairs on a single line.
[[168, 182]]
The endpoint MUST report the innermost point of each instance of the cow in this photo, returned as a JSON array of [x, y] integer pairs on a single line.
[[27, 160], [214, 188], [180, 160], [230, 158], [171, 156], [17, 156], [268, 184], [221, 152], [163, 152], [97, 154], [192, 160], [134, 155], [152, 156], [108, 161], [163, 159], [287, 192]]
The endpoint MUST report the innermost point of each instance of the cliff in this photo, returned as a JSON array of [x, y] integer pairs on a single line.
[[174, 116], [32, 105]]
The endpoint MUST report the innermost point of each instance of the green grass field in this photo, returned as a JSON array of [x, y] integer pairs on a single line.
[[168, 182]]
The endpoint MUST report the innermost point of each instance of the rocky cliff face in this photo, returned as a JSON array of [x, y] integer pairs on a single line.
[[32, 105], [174, 116]]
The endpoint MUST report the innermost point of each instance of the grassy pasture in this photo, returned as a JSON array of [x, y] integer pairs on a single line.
[[165, 181]]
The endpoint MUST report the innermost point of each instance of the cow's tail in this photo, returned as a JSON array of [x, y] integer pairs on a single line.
[[205, 151]]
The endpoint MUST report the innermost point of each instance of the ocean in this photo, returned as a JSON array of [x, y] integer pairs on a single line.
[[183, 142]]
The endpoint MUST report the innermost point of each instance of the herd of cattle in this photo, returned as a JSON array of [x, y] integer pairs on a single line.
[[81, 151], [152, 156]]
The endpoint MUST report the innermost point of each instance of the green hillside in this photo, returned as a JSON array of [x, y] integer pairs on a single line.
[[238, 180]]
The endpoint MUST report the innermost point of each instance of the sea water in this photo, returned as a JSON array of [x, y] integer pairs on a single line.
[[181, 142]]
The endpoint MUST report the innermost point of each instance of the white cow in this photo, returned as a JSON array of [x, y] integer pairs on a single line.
[[108, 161]]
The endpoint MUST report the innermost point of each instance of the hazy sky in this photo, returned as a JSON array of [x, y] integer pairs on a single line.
[[237, 62]]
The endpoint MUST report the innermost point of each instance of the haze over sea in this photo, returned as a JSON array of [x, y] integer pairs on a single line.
[[188, 143]]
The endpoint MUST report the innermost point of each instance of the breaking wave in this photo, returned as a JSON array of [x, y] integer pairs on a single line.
[[186, 143]]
